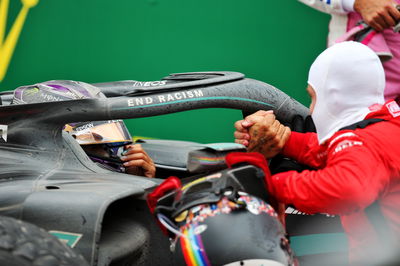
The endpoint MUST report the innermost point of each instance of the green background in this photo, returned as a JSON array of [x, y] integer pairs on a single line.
[[99, 40]]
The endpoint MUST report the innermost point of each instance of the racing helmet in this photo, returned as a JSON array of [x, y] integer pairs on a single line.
[[112, 135], [218, 220]]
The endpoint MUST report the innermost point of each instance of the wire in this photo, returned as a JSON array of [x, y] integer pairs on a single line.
[[168, 224]]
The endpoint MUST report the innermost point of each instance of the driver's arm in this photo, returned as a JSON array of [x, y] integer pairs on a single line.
[[137, 161], [379, 14], [352, 179], [330, 7], [305, 149]]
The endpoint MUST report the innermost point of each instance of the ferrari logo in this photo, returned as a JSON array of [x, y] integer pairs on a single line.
[[7, 44]]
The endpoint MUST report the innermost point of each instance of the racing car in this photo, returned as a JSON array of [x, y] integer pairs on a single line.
[[47, 179]]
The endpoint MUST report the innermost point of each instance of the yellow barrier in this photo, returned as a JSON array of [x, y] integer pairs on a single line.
[[7, 45]]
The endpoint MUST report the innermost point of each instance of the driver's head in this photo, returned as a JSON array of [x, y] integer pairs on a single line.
[[96, 136], [345, 80]]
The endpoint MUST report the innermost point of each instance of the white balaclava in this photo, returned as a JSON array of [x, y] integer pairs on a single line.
[[347, 78]]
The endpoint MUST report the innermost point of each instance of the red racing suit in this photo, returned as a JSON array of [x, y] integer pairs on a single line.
[[355, 168]]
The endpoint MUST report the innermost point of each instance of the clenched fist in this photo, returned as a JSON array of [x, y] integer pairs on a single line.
[[261, 132], [268, 136]]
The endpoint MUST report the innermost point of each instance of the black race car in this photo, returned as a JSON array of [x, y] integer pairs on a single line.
[[48, 180]]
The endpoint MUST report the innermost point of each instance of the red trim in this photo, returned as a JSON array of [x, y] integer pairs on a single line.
[[171, 183], [254, 158]]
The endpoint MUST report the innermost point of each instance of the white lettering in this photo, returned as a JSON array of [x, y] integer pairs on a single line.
[[178, 96], [139, 101], [198, 93], [161, 99], [347, 144], [114, 121], [148, 100], [170, 98], [149, 83], [158, 83], [50, 98], [83, 127]]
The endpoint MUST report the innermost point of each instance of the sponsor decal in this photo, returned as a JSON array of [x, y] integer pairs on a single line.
[[393, 108], [3, 133], [344, 135], [290, 210], [347, 144], [70, 239], [34, 94], [85, 126], [322, 155], [164, 98], [149, 83]]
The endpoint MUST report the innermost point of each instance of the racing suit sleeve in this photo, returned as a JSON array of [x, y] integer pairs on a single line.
[[304, 148], [352, 179], [328, 6]]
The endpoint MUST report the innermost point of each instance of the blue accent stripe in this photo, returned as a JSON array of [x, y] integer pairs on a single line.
[[319, 243], [197, 99]]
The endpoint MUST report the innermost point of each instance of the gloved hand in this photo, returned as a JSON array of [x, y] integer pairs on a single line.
[[299, 124], [282, 164]]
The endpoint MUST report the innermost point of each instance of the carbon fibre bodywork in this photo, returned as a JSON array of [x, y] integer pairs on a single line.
[[48, 180]]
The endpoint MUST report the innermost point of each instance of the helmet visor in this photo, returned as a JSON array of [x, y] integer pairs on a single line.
[[100, 132]]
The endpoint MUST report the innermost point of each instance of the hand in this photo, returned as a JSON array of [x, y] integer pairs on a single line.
[[137, 162], [379, 14], [268, 136], [242, 126]]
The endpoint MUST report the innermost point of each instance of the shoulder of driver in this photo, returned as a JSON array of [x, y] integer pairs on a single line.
[[344, 141]]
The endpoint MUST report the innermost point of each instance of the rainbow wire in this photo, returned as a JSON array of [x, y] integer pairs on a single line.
[[193, 249], [209, 160]]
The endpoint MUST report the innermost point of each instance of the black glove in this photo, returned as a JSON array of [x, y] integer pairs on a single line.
[[282, 164]]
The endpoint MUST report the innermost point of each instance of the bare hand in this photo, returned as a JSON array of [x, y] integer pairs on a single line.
[[379, 14], [241, 134], [137, 162], [268, 136]]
